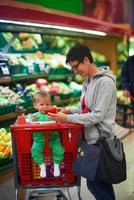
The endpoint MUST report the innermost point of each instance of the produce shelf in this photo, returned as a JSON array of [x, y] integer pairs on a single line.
[[8, 116], [6, 109], [6, 160], [5, 167], [5, 79], [21, 77]]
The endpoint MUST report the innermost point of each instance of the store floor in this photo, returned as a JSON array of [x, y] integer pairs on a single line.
[[124, 191]]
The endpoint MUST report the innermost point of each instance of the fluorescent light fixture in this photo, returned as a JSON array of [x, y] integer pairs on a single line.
[[99, 33]]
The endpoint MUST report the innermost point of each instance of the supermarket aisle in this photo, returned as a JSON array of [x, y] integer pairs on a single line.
[[124, 191]]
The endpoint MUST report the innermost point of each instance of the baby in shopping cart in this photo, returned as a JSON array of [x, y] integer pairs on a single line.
[[41, 102]]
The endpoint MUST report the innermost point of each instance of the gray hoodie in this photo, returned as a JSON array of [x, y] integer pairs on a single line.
[[101, 100]]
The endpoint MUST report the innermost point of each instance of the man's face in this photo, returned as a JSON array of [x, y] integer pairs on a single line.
[[81, 68]]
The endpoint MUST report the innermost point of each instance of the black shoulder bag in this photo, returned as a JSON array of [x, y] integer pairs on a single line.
[[112, 164], [105, 160]]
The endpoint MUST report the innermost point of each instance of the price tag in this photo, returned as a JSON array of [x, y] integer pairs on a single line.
[[31, 69], [47, 69], [41, 66], [5, 70]]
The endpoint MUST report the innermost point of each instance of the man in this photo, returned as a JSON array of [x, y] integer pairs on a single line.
[[97, 106], [127, 79]]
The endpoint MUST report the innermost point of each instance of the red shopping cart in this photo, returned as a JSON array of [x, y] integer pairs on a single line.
[[27, 171]]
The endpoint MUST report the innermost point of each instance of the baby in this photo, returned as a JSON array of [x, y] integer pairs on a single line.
[[41, 101]]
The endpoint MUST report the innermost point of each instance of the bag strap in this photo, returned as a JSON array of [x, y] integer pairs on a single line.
[[100, 132]]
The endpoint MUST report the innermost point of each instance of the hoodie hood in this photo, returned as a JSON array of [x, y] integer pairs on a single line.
[[105, 71]]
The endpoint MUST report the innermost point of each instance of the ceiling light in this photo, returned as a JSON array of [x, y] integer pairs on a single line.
[[100, 33]]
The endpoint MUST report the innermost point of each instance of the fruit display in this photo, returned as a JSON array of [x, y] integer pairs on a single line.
[[36, 63], [5, 143], [52, 88], [48, 55], [8, 96], [47, 60], [9, 100], [16, 44], [121, 98], [78, 78], [131, 45], [122, 52], [40, 82], [23, 41], [99, 58], [75, 86], [54, 59], [59, 88], [3, 101], [59, 44]]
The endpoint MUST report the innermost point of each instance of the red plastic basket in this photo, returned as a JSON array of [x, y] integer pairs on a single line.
[[26, 170]]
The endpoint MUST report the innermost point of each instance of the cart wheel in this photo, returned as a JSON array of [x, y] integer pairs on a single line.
[[59, 197], [16, 194], [32, 198]]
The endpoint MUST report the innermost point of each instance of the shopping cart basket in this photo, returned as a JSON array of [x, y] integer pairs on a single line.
[[26, 170]]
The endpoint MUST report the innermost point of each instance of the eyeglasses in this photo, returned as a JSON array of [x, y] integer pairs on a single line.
[[75, 67]]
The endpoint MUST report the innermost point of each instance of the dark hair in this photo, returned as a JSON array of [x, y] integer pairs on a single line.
[[78, 52], [40, 93]]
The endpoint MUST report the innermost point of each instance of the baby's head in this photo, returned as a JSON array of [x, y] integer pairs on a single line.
[[41, 100]]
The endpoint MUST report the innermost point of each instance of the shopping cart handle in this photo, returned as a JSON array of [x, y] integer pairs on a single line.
[[21, 119]]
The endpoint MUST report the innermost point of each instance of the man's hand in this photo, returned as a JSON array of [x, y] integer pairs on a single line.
[[63, 110], [61, 117]]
